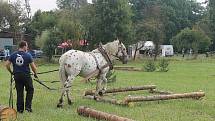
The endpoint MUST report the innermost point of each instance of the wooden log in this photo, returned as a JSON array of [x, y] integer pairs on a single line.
[[154, 91], [195, 95], [123, 67], [105, 100], [125, 89], [7, 113], [88, 112], [127, 68]]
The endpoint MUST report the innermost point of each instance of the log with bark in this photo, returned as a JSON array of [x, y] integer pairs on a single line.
[[7, 113], [115, 90], [194, 95], [88, 112], [105, 100], [127, 68], [123, 67], [161, 92]]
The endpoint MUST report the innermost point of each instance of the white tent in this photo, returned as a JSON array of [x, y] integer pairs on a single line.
[[148, 45]]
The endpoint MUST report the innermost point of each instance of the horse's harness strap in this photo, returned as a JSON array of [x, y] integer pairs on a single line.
[[97, 63], [105, 55]]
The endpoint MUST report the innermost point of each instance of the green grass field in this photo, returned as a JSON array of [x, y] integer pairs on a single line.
[[183, 76]]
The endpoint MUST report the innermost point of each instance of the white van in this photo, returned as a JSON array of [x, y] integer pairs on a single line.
[[167, 50]]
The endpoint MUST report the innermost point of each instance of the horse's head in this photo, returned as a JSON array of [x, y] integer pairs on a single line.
[[120, 51], [117, 49]]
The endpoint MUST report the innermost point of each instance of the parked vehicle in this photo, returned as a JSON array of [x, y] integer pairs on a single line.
[[36, 53], [167, 50], [2, 55]]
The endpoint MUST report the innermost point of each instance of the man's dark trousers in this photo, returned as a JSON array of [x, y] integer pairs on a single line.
[[23, 80]]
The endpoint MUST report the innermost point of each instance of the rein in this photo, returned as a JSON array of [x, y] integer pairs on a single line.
[[11, 92], [48, 71], [41, 82]]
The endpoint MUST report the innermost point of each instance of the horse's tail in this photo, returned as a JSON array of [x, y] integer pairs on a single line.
[[62, 70], [62, 74]]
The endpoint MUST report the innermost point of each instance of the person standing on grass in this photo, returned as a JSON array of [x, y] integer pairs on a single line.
[[21, 71]]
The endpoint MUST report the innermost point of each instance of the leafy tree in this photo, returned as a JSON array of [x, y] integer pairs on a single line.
[[12, 16], [212, 20], [64, 21], [191, 38], [87, 19], [69, 25], [139, 8], [43, 20], [48, 41], [71, 4], [113, 20], [40, 39], [177, 15], [152, 26], [5, 12], [212, 13]]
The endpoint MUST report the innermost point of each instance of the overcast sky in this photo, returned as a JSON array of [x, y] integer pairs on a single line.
[[46, 5]]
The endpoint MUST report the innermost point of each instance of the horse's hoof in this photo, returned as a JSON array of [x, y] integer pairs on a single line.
[[59, 105], [95, 97], [100, 93], [70, 102]]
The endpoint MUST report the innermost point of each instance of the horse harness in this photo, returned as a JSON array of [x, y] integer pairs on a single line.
[[107, 58], [105, 55]]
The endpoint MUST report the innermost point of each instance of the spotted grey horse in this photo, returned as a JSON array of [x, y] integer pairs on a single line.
[[78, 63]]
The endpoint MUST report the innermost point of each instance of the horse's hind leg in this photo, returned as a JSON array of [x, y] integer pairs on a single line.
[[63, 76], [66, 89], [69, 84], [60, 103]]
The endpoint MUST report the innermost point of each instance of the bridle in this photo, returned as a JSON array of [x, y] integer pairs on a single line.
[[107, 57], [120, 50]]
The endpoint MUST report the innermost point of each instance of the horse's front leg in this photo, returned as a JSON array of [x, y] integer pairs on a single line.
[[98, 87], [104, 83], [101, 85]]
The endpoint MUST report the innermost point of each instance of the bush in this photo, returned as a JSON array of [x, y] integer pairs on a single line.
[[163, 65], [111, 77], [149, 66]]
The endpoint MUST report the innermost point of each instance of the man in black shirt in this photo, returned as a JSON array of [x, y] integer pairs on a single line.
[[21, 71]]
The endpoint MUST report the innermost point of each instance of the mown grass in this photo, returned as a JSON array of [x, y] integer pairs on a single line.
[[183, 76]]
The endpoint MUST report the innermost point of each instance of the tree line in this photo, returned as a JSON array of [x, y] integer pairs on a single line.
[[184, 23]]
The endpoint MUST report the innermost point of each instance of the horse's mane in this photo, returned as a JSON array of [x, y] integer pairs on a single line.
[[110, 47]]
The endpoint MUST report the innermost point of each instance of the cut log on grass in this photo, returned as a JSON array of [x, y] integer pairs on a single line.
[[127, 68], [123, 67], [88, 112], [7, 113], [194, 95], [125, 89], [161, 92], [105, 100]]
